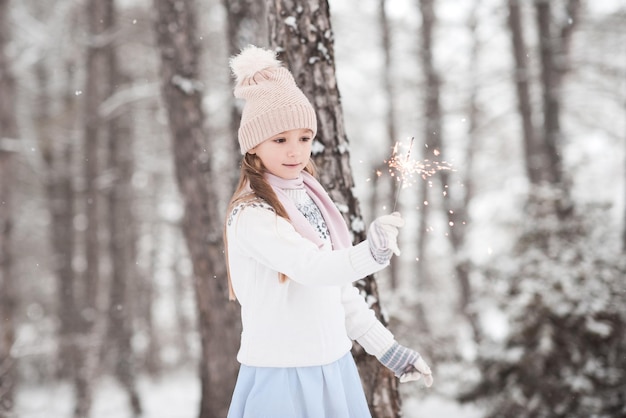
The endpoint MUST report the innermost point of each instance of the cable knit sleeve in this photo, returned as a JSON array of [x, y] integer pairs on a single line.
[[255, 231], [362, 324]]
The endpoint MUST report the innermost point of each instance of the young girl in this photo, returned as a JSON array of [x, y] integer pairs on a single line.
[[291, 264]]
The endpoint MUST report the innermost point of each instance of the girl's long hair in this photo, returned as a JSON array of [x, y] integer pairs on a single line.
[[252, 175]]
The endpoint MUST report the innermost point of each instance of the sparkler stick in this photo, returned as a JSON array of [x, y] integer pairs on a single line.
[[402, 167], [408, 155]]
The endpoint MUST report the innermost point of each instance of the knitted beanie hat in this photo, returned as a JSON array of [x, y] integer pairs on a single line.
[[273, 102]]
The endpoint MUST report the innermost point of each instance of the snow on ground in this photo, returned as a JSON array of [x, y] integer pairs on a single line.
[[177, 395], [436, 407], [172, 396]]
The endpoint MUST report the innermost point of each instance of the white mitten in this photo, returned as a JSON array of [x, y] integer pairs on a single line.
[[383, 236], [407, 364]]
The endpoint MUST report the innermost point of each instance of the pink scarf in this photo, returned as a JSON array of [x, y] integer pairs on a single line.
[[339, 233]]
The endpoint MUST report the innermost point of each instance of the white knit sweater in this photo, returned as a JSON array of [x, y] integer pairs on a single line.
[[310, 319]]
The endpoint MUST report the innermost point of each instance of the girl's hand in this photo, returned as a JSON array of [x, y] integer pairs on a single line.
[[383, 236], [406, 364]]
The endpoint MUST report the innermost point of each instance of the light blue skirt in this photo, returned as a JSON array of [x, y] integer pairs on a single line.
[[330, 391]]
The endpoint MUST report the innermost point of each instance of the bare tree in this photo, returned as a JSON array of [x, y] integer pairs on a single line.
[[554, 43], [121, 226], [54, 118], [246, 24], [146, 286], [458, 215], [533, 146], [95, 91], [57, 156], [219, 321], [390, 122], [8, 281], [453, 204], [306, 45], [542, 147], [431, 138]]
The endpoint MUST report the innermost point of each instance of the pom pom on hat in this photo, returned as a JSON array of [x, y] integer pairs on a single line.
[[251, 60], [273, 101]]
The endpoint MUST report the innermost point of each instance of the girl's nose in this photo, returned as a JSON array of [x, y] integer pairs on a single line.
[[293, 151]]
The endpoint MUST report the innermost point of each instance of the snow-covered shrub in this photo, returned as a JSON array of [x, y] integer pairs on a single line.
[[562, 291]]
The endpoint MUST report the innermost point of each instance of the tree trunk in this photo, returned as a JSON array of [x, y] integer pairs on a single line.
[[432, 141], [55, 128], [121, 223], [390, 122], [306, 46], [554, 45], [542, 149], [460, 212], [121, 235], [57, 151], [550, 91], [533, 147], [94, 93], [88, 326], [219, 322], [152, 362], [246, 23], [183, 325], [8, 281]]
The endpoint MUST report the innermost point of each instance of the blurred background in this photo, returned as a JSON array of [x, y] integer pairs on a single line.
[[118, 155]]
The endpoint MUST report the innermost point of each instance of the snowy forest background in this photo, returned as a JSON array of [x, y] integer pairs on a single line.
[[118, 155]]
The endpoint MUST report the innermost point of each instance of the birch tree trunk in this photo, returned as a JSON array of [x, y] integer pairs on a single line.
[[219, 321], [306, 46], [8, 281]]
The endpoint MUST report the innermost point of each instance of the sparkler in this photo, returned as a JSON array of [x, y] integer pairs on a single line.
[[401, 166], [405, 170]]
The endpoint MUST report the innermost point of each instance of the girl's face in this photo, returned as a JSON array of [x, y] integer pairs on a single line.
[[285, 155]]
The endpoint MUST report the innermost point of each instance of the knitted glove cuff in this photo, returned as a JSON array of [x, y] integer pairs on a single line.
[[379, 243], [382, 256], [376, 340], [382, 236], [399, 359]]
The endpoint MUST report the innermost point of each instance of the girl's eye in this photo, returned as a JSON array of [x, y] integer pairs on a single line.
[[305, 139], [279, 140]]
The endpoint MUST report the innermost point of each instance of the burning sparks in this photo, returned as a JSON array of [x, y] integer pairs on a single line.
[[406, 170]]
